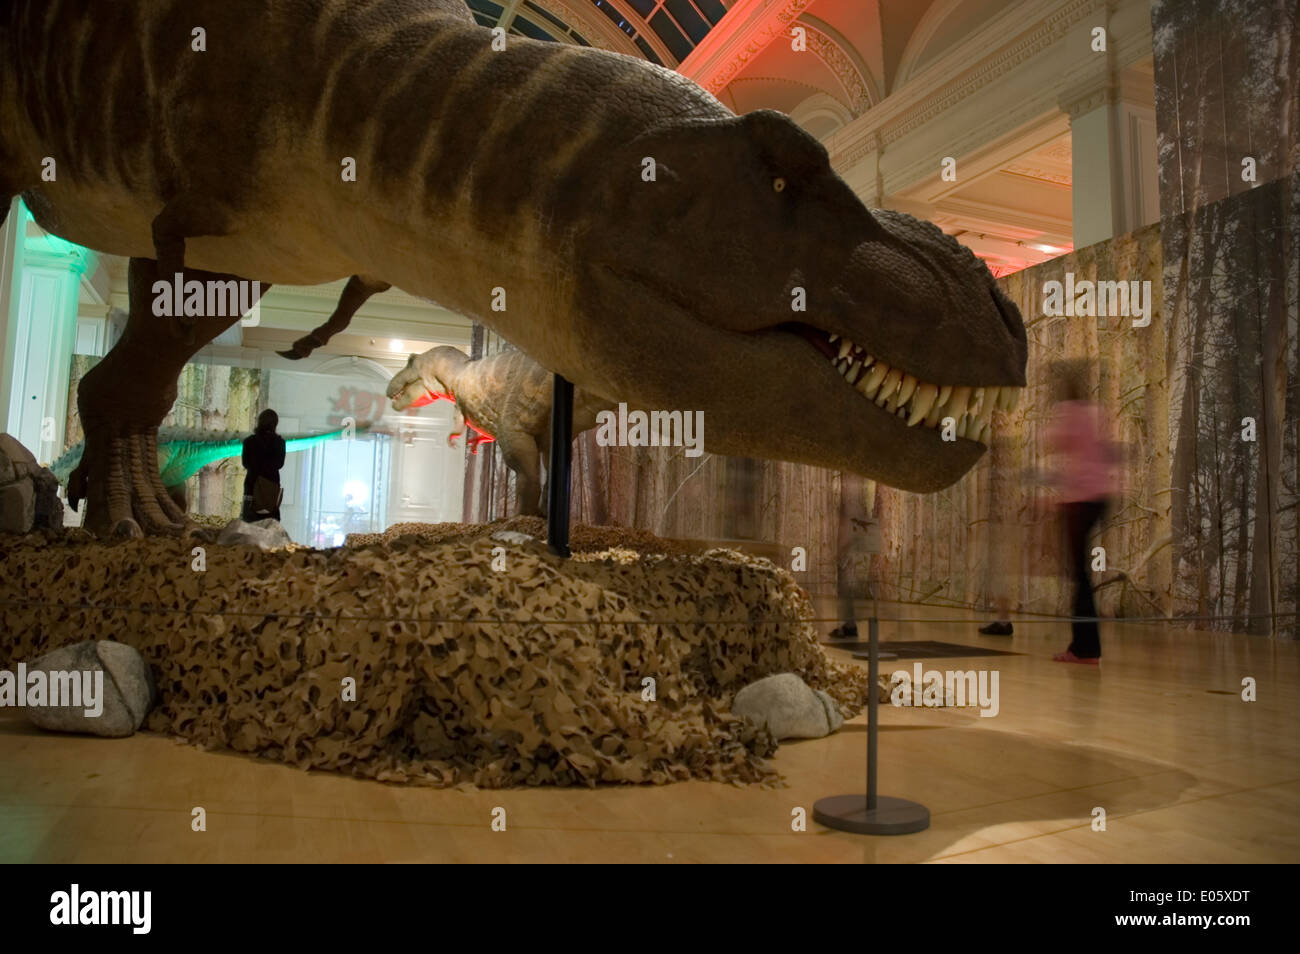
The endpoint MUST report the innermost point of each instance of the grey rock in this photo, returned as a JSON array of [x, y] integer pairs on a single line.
[[128, 690], [267, 534], [13, 449], [17, 506], [788, 707], [49, 505], [512, 536]]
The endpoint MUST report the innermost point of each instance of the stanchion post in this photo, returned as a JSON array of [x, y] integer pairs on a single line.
[[872, 814], [557, 490], [873, 700]]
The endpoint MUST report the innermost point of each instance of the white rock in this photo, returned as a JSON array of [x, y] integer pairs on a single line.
[[128, 690], [267, 534], [788, 707]]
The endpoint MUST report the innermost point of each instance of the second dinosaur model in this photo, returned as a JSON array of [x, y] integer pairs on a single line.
[[506, 396]]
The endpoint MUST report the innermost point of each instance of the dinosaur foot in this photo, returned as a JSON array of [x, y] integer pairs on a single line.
[[302, 348], [125, 497]]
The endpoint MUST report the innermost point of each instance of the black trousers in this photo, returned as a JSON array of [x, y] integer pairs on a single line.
[[1081, 519]]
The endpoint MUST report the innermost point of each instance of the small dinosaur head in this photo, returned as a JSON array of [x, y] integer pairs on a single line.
[[425, 378], [743, 278]]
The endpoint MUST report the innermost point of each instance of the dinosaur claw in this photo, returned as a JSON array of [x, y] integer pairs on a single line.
[[127, 529]]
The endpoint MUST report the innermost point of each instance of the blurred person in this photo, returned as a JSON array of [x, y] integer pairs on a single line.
[[263, 457], [1083, 478], [1003, 543], [852, 557]]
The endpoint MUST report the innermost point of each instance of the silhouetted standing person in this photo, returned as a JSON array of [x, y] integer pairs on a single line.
[[1083, 471], [263, 457]]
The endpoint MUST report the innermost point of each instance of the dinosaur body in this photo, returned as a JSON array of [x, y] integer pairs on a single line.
[[605, 215], [506, 397]]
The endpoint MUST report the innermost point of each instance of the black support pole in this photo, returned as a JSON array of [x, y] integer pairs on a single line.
[[557, 488]]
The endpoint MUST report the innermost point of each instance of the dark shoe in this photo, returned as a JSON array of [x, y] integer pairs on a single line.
[[845, 631], [998, 628]]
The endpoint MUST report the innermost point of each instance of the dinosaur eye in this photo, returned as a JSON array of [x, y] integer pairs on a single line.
[[778, 184]]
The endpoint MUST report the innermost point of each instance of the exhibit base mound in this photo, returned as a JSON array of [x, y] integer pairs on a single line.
[[438, 659]]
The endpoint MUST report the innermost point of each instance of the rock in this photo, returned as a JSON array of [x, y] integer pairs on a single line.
[[512, 536], [788, 707], [13, 449], [49, 505], [127, 694], [30, 492], [267, 534], [17, 506]]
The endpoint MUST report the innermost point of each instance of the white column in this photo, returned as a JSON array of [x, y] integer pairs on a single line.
[[1113, 155], [43, 322], [11, 267]]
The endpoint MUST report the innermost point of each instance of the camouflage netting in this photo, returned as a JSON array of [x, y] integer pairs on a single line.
[[251, 654]]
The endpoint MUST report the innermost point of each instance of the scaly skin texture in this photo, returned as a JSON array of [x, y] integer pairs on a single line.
[[710, 285], [505, 396]]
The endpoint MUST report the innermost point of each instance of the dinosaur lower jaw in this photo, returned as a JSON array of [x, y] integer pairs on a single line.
[[917, 403]]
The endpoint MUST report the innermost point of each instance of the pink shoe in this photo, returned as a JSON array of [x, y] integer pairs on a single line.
[[1070, 657]]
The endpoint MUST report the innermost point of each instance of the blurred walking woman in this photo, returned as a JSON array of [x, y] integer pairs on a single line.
[[263, 458], [1083, 478]]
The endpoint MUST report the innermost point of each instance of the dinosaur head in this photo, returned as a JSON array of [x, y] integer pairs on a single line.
[[743, 278], [426, 378]]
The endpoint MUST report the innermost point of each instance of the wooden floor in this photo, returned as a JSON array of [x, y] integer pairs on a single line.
[[1159, 738]]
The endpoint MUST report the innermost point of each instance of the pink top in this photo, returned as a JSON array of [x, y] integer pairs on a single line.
[[1083, 467]]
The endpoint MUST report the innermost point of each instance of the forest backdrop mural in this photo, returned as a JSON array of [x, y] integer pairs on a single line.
[[1202, 400]]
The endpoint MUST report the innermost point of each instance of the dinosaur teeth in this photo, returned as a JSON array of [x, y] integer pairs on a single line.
[[921, 403], [871, 382], [888, 386], [957, 406], [918, 402]]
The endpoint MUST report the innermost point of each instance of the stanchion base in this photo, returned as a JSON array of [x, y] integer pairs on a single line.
[[891, 816]]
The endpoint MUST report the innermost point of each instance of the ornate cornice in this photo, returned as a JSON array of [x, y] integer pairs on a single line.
[[602, 35], [747, 29], [838, 62], [919, 103], [1056, 25]]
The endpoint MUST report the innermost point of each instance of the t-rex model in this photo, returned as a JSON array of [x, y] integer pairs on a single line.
[[505, 396], [606, 215], [184, 451]]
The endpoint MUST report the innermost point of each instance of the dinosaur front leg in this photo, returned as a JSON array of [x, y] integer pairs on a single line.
[[356, 293], [123, 399]]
